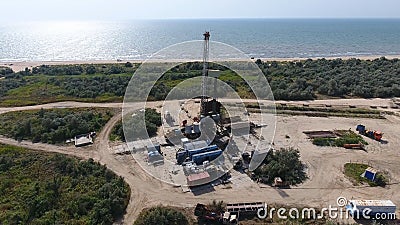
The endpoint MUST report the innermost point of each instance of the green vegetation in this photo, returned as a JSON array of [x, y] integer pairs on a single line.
[[284, 163], [303, 80], [346, 137], [354, 171], [161, 215], [89, 83], [153, 121], [5, 71], [335, 78], [53, 125], [48, 188]]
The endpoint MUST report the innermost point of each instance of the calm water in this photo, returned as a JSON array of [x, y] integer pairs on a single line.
[[139, 39]]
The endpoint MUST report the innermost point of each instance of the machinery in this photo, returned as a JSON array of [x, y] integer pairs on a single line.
[[376, 135], [204, 213]]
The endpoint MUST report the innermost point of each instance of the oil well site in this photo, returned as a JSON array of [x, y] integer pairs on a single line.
[[345, 148]]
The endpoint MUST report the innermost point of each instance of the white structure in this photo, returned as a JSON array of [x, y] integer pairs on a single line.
[[82, 140], [379, 209]]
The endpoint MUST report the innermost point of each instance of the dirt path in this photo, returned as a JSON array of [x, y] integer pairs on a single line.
[[84, 152]]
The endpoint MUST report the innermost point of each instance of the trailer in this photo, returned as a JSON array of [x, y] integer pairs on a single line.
[[373, 134], [202, 150], [206, 156], [189, 151], [372, 209]]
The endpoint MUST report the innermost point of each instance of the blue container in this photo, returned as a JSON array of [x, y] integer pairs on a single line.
[[207, 156], [360, 128], [369, 175], [202, 150]]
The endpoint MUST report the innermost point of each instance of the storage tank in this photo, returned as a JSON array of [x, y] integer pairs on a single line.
[[196, 127], [188, 129]]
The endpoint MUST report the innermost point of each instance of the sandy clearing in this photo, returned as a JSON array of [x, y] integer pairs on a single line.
[[325, 165]]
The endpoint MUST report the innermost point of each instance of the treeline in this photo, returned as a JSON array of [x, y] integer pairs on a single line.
[[46, 188], [294, 80], [78, 69], [336, 78], [52, 126], [152, 121]]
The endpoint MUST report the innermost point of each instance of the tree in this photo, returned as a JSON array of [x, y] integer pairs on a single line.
[[91, 69], [284, 163], [332, 88], [5, 71]]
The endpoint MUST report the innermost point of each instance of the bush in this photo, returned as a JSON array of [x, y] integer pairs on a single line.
[[153, 121], [161, 216]]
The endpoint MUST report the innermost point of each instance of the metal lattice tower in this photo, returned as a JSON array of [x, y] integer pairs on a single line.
[[204, 85]]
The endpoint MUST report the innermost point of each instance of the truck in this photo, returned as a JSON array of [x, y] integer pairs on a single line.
[[373, 134]]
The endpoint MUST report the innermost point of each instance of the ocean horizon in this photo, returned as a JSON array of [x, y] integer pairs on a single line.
[[258, 38]]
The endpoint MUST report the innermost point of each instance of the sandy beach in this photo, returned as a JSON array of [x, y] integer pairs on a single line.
[[19, 66]]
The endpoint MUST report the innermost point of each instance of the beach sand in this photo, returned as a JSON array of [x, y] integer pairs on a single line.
[[19, 66]]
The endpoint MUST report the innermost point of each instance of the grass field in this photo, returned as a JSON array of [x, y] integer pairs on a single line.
[[354, 171]]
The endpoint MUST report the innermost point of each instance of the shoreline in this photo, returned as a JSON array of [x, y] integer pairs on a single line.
[[17, 66]]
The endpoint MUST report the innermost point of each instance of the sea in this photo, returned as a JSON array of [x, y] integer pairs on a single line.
[[258, 38]]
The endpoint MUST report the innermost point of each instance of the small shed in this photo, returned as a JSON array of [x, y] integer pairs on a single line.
[[197, 179], [370, 173], [83, 139]]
